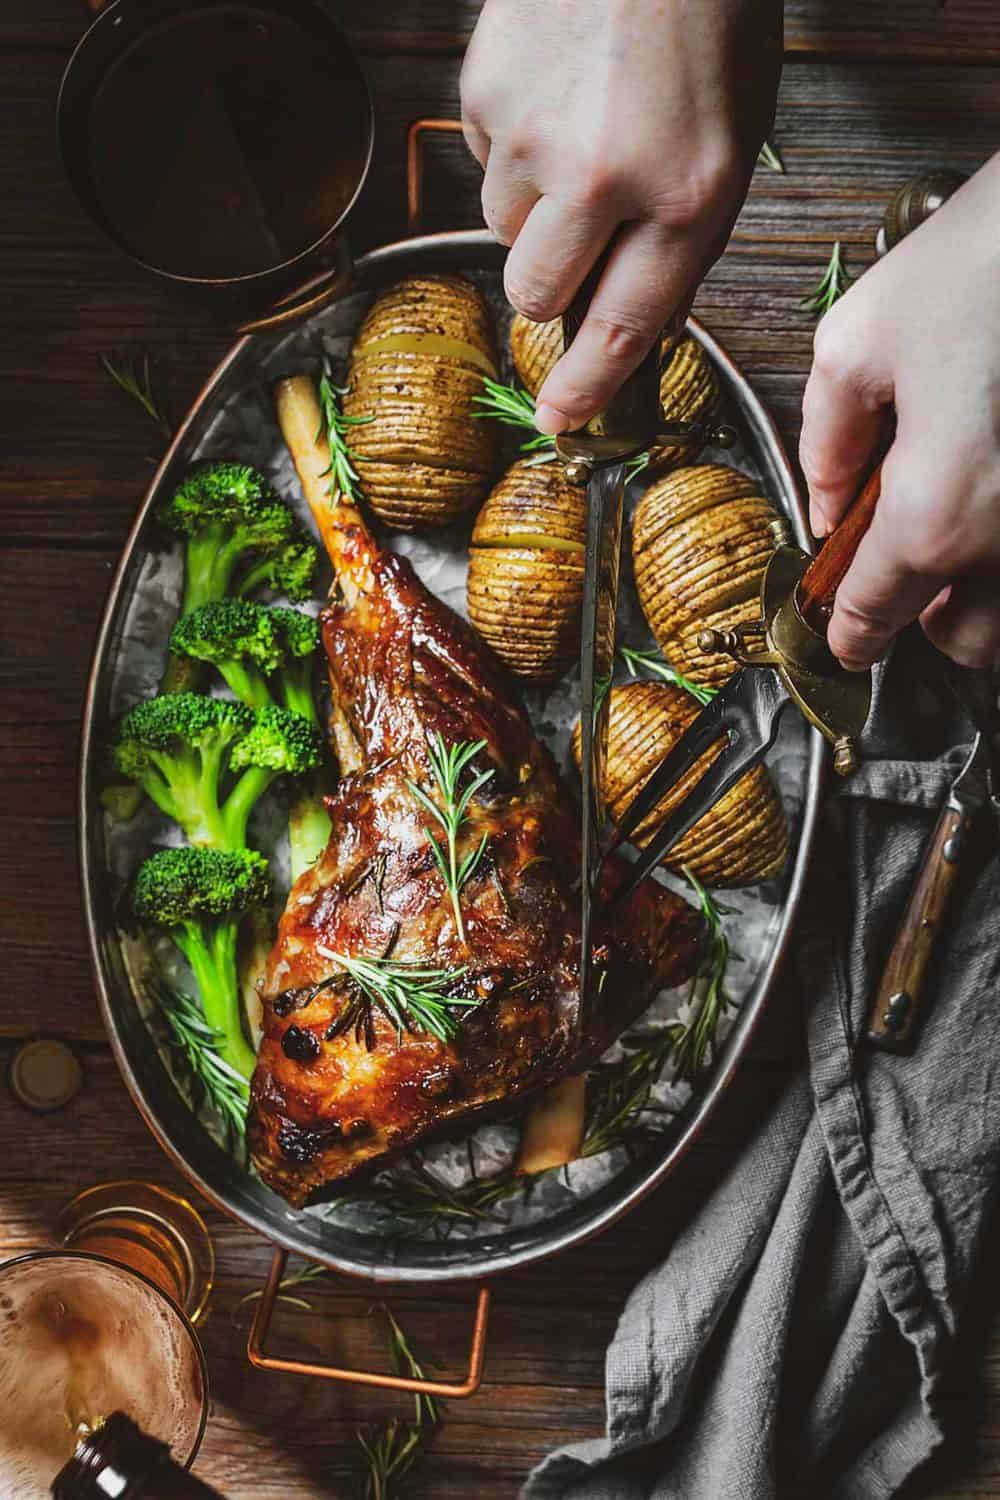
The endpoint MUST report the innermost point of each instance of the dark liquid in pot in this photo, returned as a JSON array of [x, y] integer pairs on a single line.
[[225, 141]]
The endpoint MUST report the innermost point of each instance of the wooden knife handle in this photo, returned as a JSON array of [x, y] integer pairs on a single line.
[[826, 572], [897, 1005]]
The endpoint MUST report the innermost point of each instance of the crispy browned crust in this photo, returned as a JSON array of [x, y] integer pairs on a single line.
[[402, 667]]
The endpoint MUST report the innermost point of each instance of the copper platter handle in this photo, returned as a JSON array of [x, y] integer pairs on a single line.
[[415, 166], [300, 304], [449, 1390]]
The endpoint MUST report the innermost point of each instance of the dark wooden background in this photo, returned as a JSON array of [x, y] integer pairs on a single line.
[[870, 94]]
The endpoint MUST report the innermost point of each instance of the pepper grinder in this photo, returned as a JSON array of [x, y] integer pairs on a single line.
[[914, 202]]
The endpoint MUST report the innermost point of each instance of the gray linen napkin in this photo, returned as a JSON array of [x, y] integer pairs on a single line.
[[795, 1340]]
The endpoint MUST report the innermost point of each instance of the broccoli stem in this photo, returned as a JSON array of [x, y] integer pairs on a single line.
[[210, 949], [297, 689], [308, 828], [246, 683], [182, 675], [247, 792], [212, 555]]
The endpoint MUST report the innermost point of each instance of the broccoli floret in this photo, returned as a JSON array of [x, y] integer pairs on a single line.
[[289, 570], [181, 747], [280, 743], [283, 741], [176, 748], [264, 655], [200, 896], [230, 517]]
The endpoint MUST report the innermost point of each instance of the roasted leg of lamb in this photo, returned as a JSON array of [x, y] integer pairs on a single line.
[[347, 1075]]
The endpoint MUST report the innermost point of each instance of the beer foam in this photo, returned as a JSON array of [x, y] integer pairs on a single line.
[[78, 1340]]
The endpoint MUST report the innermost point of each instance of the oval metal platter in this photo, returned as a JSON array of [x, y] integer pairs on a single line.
[[233, 417]]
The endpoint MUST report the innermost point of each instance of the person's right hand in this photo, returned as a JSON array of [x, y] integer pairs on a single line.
[[919, 331], [591, 117]]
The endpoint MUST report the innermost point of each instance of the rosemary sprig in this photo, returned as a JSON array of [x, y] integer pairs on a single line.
[[287, 1287], [388, 1452], [447, 764], [335, 428], [513, 407], [411, 1191], [136, 380], [652, 661], [697, 1043], [619, 1092], [832, 285], [197, 1043], [769, 157], [414, 997]]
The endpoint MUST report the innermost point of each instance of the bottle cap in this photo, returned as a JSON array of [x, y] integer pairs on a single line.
[[45, 1075]]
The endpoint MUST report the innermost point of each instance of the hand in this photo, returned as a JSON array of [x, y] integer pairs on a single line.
[[921, 331], [595, 116]]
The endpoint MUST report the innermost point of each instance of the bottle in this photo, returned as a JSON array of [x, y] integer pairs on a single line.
[[120, 1459]]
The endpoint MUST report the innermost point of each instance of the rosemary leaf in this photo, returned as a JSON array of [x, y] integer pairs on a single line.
[[136, 380], [447, 763], [770, 158], [287, 1286], [832, 285], [619, 1092], [335, 428], [197, 1044], [387, 1453], [696, 1046], [412, 1192], [652, 661], [513, 407], [414, 997]]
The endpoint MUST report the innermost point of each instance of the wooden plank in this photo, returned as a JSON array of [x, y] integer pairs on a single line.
[[286, 1437], [849, 136], [967, 30]]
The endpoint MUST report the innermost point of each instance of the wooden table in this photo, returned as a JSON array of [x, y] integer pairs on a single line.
[[871, 94]]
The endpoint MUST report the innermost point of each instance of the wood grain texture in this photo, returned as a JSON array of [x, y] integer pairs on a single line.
[[870, 95], [850, 136], [907, 29]]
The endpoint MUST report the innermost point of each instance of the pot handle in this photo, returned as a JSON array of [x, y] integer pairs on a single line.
[[299, 304], [451, 1390], [415, 166]]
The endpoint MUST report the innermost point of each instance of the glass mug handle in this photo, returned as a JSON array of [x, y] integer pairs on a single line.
[[307, 299]]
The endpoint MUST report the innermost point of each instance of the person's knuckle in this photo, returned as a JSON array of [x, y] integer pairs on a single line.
[[837, 353], [530, 293], [696, 195], [862, 622], [624, 336]]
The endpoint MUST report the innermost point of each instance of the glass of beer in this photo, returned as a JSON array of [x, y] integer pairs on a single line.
[[221, 144], [83, 1335]]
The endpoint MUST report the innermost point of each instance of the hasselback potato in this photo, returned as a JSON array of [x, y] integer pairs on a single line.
[[525, 582], [689, 390], [742, 840], [418, 360], [700, 543]]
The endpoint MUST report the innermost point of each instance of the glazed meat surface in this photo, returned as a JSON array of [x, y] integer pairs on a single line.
[[331, 1099]]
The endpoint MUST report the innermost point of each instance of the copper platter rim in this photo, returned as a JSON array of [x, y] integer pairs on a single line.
[[215, 1175]]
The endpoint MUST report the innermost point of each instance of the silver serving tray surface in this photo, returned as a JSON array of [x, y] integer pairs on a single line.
[[232, 416]]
